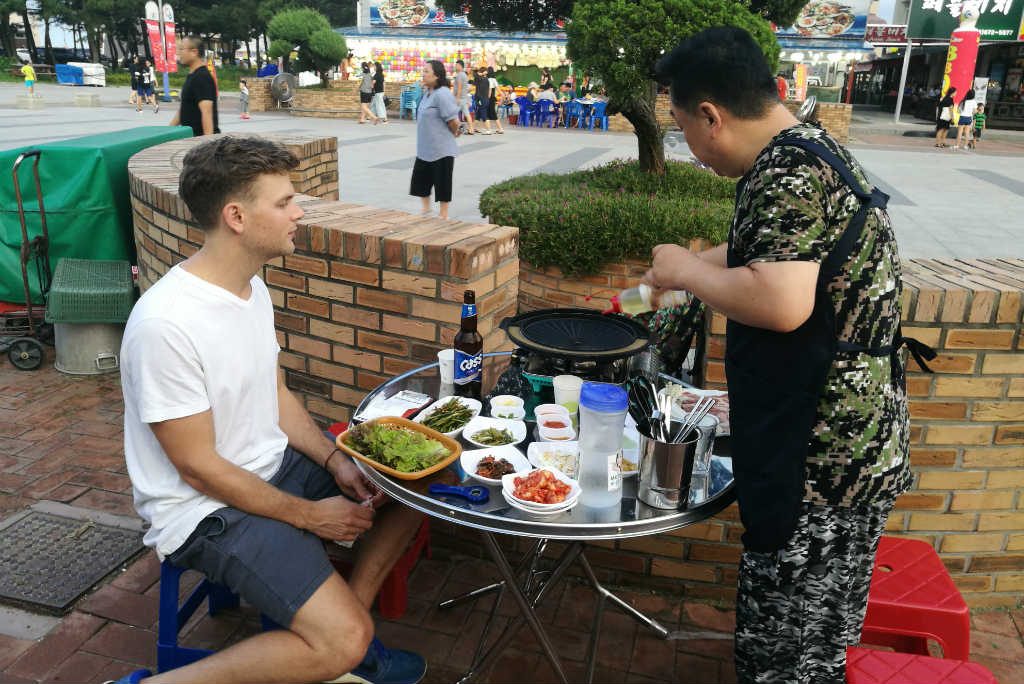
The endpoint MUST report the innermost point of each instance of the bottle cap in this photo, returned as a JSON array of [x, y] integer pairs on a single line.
[[603, 397]]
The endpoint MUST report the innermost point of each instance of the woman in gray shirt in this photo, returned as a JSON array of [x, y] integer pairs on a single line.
[[437, 126]]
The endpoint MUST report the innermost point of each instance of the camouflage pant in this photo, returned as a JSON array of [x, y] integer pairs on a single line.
[[799, 608]]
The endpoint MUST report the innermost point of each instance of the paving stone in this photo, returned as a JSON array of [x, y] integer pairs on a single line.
[[73, 631], [23, 625], [695, 668], [114, 603], [11, 649], [992, 645], [140, 575], [123, 642], [101, 500], [65, 493], [653, 657], [998, 622], [80, 667], [709, 617]]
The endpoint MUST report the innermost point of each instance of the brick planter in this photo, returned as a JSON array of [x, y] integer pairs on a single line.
[[547, 288]]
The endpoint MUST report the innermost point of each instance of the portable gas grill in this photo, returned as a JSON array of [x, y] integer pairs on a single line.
[[581, 342]]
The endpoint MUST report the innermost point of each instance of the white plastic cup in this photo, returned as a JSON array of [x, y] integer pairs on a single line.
[[567, 392], [446, 365]]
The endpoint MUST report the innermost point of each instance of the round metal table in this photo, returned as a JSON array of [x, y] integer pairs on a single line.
[[632, 518]]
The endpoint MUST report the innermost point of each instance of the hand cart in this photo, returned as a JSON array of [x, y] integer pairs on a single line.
[[22, 327]]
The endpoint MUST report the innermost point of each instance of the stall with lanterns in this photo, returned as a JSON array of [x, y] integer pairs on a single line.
[[402, 52], [819, 49]]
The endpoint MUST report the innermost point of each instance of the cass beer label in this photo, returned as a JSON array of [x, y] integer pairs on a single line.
[[468, 310], [467, 366]]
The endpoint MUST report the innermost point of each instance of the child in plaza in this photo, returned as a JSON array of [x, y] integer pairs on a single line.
[[30, 78], [243, 97], [228, 469], [979, 124]]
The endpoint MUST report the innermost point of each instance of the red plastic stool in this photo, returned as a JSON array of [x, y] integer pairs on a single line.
[[912, 598], [393, 597], [866, 666]]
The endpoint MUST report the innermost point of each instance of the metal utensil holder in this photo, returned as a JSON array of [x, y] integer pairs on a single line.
[[666, 469]]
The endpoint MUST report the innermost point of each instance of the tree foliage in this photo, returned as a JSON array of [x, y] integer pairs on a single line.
[[511, 15], [619, 42], [781, 12], [303, 29]]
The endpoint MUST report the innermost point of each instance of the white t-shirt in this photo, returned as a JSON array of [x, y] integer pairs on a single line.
[[967, 108], [190, 346]]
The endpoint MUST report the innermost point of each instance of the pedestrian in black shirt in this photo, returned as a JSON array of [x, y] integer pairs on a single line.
[[199, 94]]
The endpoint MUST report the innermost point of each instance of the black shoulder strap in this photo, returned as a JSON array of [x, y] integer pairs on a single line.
[[868, 200]]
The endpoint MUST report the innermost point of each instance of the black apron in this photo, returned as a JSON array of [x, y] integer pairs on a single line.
[[776, 380]]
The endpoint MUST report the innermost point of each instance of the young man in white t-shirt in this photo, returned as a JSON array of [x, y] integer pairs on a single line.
[[227, 467]]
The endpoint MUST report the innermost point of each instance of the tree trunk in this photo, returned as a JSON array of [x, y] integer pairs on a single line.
[[95, 40], [30, 40], [649, 136], [7, 36], [112, 44], [47, 45], [248, 53]]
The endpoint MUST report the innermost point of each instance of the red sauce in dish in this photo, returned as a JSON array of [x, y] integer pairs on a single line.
[[554, 424]]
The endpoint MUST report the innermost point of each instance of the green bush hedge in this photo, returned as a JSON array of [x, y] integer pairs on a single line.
[[583, 220]]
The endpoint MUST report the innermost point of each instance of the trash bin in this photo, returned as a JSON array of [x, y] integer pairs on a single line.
[[88, 304]]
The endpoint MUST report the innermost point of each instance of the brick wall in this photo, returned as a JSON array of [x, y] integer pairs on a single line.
[[259, 95], [834, 117], [545, 288], [369, 293], [967, 421], [340, 101]]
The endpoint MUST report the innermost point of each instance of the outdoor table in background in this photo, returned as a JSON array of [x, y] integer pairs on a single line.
[[576, 526]]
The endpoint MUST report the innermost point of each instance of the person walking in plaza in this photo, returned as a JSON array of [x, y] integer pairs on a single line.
[[979, 124], [437, 126], [198, 108], [809, 281], [133, 81], [944, 117], [366, 95], [243, 97], [965, 122], [462, 96], [229, 471], [482, 99], [377, 105], [28, 72], [145, 93], [492, 103]]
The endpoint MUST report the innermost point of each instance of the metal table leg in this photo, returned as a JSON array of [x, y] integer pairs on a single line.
[[566, 559], [530, 559]]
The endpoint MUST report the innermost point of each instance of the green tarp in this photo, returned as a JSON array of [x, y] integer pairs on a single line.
[[85, 195]]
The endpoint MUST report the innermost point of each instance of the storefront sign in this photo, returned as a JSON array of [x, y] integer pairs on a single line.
[[885, 34], [831, 19], [407, 13], [936, 19]]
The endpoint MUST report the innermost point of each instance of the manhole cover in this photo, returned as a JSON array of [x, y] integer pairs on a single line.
[[48, 561]]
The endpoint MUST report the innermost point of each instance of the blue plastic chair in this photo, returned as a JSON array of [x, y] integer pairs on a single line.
[[409, 101], [169, 655], [573, 110], [526, 108], [545, 113], [598, 113]]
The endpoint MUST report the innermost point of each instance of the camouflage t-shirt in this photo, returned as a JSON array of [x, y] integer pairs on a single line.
[[792, 206]]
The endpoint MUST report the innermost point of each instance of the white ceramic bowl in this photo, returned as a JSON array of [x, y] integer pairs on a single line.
[[516, 427], [550, 409], [562, 456], [518, 505], [556, 434], [508, 487], [473, 405], [471, 458], [508, 412], [504, 401]]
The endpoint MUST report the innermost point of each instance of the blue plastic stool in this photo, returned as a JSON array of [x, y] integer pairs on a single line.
[[169, 655]]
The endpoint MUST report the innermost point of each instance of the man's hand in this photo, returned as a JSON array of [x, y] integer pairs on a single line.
[[338, 519], [668, 264], [351, 480]]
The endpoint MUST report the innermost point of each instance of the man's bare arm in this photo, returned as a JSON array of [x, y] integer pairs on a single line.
[[206, 111], [176, 121], [190, 445]]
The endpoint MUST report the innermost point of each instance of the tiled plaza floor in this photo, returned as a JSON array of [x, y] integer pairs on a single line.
[[60, 440]]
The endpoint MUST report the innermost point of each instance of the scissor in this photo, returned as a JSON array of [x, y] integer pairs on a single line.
[[474, 494]]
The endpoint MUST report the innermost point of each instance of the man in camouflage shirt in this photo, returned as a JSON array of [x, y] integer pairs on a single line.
[[805, 569]]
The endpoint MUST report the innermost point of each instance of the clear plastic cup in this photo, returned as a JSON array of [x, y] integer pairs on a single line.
[[446, 365], [567, 392]]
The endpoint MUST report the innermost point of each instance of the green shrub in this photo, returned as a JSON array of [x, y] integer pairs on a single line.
[[583, 220], [227, 78]]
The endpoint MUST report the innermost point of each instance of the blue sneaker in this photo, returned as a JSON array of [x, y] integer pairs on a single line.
[[390, 665], [133, 678]]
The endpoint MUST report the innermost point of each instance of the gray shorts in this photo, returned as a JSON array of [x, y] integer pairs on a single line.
[[244, 552]]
